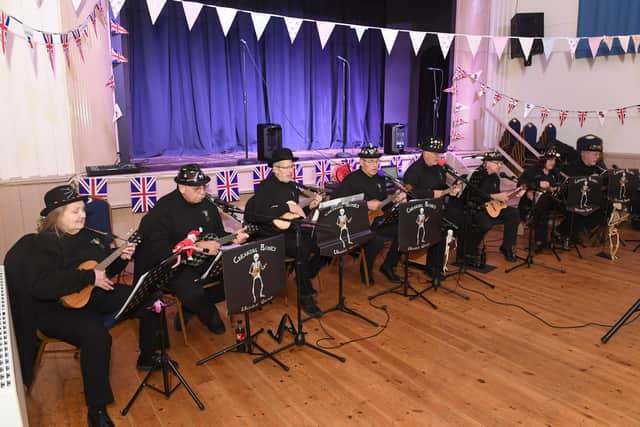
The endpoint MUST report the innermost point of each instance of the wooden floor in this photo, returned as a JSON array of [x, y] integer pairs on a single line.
[[466, 363]]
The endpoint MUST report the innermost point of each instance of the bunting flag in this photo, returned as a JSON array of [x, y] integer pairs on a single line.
[[608, 41], [92, 18], [191, 12], [155, 7], [526, 43], [144, 193], [397, 161], [116, 6], [117, 57], [460, 107], [452, 89], [110, 82], [260, 21], [48, 42], [359, 29], [456, 135], [445, 41], [459, 121], [544, 113], [96, 188], [625, 42], [64, 38], [563, 117], [77, 37], [459, 73], [483, 90], [622, 114], [496, 98], [28, 36], [75, 4], [474, 76], [547, 46], [85, 31], [527, 109], [573, 44], [260, 173], [227, 185], [474, 44], [582, 116], [594, 44], [354, 163], [389, 36], [513, 103], [636, 42], [602, 115], [293, 26], [226, 15], [499, 43], [324, 31], [322, 172], [117, 29], [117, 112], [417, 38], [297, 174], [5, 20]]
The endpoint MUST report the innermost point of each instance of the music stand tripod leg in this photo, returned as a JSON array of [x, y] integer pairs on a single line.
[[635, 307]]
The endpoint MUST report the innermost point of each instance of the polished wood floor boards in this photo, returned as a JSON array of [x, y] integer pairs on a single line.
[[467, 363]]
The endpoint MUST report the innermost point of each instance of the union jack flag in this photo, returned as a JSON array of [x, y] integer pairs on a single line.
[[496, 98], [144, 194], [117, 29], [85, 31], [513, 103], [544, 113], [354, 163], [92, 17], [93, 187], [100, 13], [64, 38], [459, 73], [117, 57], [483, 90], [28, 34], [397, 161], [4, 28], [298, 173], [563, 116], [227, 185], [110, 83], [77, 37], [260, 173], [622, 114], [323, 172], [48, 40], [582, 116]]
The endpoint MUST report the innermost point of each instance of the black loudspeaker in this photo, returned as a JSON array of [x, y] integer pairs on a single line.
[[269, 140], [527, 25], [395, 137]]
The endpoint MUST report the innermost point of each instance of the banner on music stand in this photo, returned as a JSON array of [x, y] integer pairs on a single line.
[[584, 194], [343, 224], [419, 224], [623, 184]]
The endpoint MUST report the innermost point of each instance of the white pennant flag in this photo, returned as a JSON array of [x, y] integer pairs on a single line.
[[260, 21], [155, 7], [636, 41], [226, 16], [547, 44], [293, 26], [573, 44], [417, 37], [76, 3], [389, 35], [460, 107], [527, 109], [601, 116], [191, 12], [474, 43], [445, 40], [324, 31], [526, 43], [608, 41], [116, 6], [624, 42], [594, 44], [359, 29], [117, 112], [499, 43]]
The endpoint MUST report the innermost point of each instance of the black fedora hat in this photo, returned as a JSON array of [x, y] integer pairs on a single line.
[[192, 176], [492, 156], [281, 154], [433, 144], [551, 153], [369, 152], [590, 142], [60, 196]]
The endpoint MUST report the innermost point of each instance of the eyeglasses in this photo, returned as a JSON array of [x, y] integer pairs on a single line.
[[370, 161], [283, 167]]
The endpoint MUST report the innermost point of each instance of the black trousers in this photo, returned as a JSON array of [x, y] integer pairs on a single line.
[[195, 299], [581, 223], [372, 248], [482, 223], [309, 255], [435, 254], [545, 205], [85, 328]]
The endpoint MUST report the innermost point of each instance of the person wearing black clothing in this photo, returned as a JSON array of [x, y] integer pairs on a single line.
[[174, 216], [428, 180], [589, 163], [276, 196], [366, 180], [484, 187], [61, 245], [542, 182]]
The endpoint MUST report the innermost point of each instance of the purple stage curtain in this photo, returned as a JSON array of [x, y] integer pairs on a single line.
[[186, 86]]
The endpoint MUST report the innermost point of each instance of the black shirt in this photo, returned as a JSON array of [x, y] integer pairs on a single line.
[[532, 176], [270, 202], [373, 187], [168, 223], [485, 183], [424, 179], [578, 168]]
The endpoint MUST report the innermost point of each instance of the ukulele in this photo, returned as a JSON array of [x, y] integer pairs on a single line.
[[200, 257], [81, 298], [381, 212], [494, 207], [284, 222]]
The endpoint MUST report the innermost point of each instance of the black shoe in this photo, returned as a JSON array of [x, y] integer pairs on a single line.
[[215, 323], [176, 320], [310, 307], [508, 254], [99, 418], [148, 361], [437, 280], [389, 274]]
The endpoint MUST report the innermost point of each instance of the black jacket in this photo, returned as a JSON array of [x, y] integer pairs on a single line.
[[374, 187], [484, 183], [424, 179]]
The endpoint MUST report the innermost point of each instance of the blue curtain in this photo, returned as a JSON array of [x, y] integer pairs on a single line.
[[186, 86], [610, 17]]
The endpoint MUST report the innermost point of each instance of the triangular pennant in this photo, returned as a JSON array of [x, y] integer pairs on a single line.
[[594, 43], [77, 37], [602, 115], [483, 90], [359, 29], [526, 43], [636, 41], [92, 18], [513, 103], [452, 90], [474, 44], [459, 121], [226, 16], [544, 113], [48, 43], [474, 76], [527, 109], [624, 42], [64, 41], [496, 98], [75, 4], [608, 41], [191, 12], [547, 44], [456, 135], [117, 29], [28, 36], [117, 112], [104, 16], [117, 57], [389, 36], [573, 44], [260, 21], [116, 6], [582, 116], [111, 83], [417, 37], [622, 114], [155, 7], [563, 117], [445, 40], [293, 26], [499, 43], [460, 107], [324, 31], [459, 73]]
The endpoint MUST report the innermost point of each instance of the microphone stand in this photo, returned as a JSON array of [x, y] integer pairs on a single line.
[[346, 76], [435, 114], [246, 160]]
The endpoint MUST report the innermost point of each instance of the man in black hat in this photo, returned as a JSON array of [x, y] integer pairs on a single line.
[[366, 180], [541, 181], [484, 186], [175, 215], [276, 196], [428, 181]]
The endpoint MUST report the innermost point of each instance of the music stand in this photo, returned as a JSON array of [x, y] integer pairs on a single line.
[[635, 307], [148, 285], [584, 197], [343, 225], [622, 188], [255, 274], [418, 228]]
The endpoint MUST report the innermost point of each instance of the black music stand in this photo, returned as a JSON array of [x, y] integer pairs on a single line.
[[148, 285], [635, 307], [418, 228], [622, 188], [256, 266], [343, 225], [584, 197]]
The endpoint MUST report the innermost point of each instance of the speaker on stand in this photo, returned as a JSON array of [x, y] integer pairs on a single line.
[[269, 140], [395, 137]]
